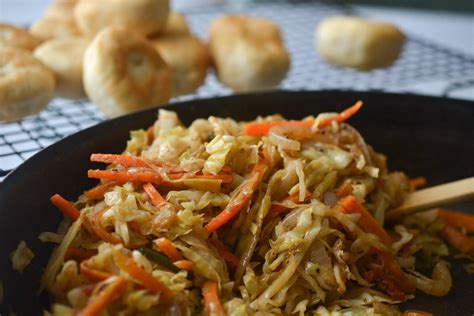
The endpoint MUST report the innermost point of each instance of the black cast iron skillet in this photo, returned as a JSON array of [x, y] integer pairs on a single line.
[[433, 137]]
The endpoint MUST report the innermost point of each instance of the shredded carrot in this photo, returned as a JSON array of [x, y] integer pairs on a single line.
[[65, 206], [92, 274], [457, 239], [110, 293], [126, 161], [101, 232], [413, 312], [150, 176], [242, 198], [167, 247], [367, 223], [98, 192], [211, 299], [153, 194], [147, 280], [457, 219], [417, 182], [150, 135], [261, 129], [78, 254], [184, 265], [132, 161], [344, 115], [126, 176], [228, 256]]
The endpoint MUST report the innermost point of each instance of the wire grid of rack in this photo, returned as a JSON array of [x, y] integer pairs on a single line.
[[421, 61]]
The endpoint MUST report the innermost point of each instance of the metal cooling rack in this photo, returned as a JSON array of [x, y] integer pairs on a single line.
[[421, 62]]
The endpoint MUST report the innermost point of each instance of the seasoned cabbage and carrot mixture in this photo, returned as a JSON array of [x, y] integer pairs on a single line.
[[270, 217]]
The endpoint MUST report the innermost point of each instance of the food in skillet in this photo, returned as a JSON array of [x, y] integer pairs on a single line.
[[269, 217]]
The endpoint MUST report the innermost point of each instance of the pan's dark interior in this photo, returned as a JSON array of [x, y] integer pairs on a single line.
[[433, 137]]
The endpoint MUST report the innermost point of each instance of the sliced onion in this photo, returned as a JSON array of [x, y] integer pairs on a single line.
[[301, 180], [57, 257], [282, 141]]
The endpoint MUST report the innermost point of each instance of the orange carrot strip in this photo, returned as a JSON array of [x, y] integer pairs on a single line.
[[110, 293], [367, 223], [101, 232], [457, 239], [132, 161], [344, 115], [92, 274], [78, 254], [228, 256], [457, 219], [242, 198], [174, 172], [417, 182], [126, 161], [98, 192], [147, 280], [126, 176], [153, 194], [184, 265], [167, 247], [412, 312], [261, 129], [211, 299], [65, 206]]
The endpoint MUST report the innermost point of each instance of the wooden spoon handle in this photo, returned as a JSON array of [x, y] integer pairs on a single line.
[[439, 195]]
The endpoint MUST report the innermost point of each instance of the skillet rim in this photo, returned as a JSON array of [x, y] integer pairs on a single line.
[[169, 106]]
